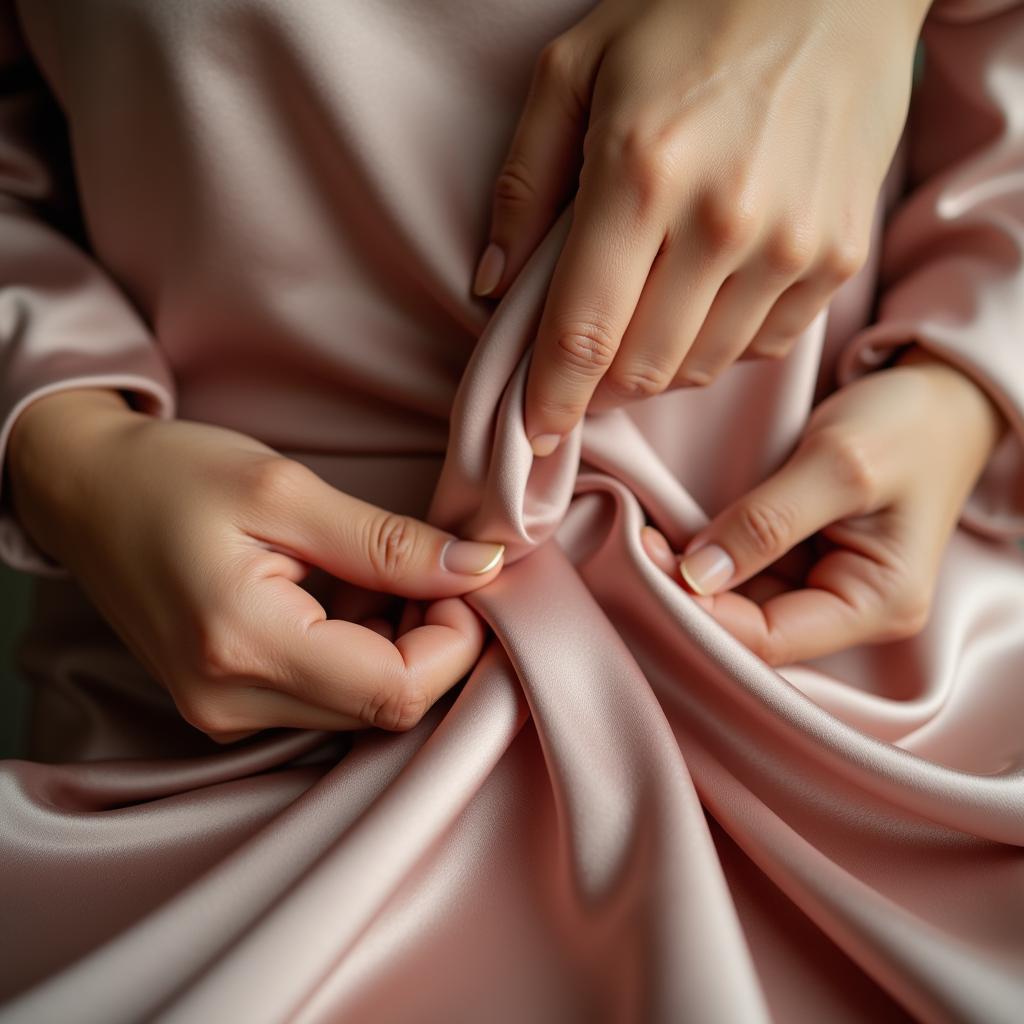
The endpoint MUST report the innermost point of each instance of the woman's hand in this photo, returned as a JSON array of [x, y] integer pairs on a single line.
[[881, 473], [732, 153], [192, 540]]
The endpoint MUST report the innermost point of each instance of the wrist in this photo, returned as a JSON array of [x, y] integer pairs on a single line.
[[48, 460], [978, 408]]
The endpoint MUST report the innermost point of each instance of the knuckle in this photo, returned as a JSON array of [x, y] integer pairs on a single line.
[[273, 479], [647, 161], [645, 158], [205, 714], [727, 222], [789, 251], [843, 259], [908, 612], [851, 466], [555, 62], [638, 381], [586, 347], [391, 543], [222, 652], [396, 708], [694, 376], [514, 188], [767, 528]]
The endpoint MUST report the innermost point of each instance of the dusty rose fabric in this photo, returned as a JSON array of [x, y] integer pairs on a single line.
[[621, 813]]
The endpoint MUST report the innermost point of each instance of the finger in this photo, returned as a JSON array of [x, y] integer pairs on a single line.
[[541, 168], [744, 300], [758, 588], [346, 668], [594, 291], [844, 606], [762, 587], [363, 544], [816, 486], [798, 305], [791, 315], [657, 546], [679, 291]]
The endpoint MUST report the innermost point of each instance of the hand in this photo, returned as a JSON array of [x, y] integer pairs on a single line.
[[192, 539], [732, 153], [881, 474]]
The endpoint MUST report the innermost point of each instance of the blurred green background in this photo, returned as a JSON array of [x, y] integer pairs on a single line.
[[15, 593]]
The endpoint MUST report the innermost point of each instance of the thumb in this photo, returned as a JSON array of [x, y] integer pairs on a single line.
[[372, 547], [809, 492], [541, 168]]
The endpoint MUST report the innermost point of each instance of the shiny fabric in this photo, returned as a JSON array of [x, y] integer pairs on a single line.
[[621, 814]]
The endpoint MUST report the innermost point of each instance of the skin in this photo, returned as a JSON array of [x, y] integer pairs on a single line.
[[724, 158], [842, 546], [199, 570]]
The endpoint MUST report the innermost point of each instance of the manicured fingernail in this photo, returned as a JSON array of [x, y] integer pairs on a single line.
[[654, 540], [545, 444], [488, 271], [708, 569], [470, 556]]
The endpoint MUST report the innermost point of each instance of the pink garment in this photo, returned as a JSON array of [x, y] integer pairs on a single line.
[[622, 814]]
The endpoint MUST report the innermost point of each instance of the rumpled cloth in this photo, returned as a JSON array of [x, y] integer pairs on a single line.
[[621, 813]]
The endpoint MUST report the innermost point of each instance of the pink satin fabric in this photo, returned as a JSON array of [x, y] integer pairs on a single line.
[[621, 814]]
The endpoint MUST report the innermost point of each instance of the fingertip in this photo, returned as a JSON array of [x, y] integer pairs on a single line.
[[476, 562], [226, 738], [489, 270], [440, 651], [543, 445], [552, 406], [658, 548], [708, 570], [454, 613]]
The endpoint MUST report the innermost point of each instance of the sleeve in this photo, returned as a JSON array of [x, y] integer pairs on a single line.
[[63, 322], [952, 268]]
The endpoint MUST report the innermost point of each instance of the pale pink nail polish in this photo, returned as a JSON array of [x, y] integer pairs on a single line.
[[470, 556], [708, 569], [488, 271], [545, 444]]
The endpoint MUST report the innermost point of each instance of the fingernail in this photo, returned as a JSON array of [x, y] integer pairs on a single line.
[[471, 556], [653, 539], [708, 569], [488, 271], [545, 444]]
